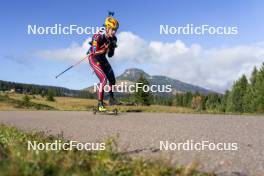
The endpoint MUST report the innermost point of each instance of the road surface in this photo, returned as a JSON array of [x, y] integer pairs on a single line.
[[141, 134]]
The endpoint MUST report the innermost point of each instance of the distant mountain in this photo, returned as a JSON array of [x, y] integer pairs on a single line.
[[132, 75]]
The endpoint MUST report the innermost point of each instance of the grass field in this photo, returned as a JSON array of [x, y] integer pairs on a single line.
[[16, 159], [78, 104]]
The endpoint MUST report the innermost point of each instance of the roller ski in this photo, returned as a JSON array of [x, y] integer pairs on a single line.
[[100, 109]]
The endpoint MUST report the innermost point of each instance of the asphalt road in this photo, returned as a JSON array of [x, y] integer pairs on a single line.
[[140, 134]]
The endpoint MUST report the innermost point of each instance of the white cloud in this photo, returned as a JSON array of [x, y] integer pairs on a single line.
[[214, 68], [73, 52]]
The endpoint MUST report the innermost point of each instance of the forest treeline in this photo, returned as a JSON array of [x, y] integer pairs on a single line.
[[245, 96]]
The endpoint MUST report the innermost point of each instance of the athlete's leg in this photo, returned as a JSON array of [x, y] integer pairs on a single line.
[[102, 77], [109, 72], [112, 81]]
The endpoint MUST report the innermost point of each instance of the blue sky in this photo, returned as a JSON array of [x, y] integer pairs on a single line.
[[141, 18]]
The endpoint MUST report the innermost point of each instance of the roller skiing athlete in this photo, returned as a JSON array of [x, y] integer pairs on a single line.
[[103, 44]]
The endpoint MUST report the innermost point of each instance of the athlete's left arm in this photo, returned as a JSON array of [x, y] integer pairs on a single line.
[[112, 46]]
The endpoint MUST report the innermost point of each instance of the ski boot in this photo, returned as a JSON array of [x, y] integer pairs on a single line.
[[113, 101], [103, 111], [101, 107]]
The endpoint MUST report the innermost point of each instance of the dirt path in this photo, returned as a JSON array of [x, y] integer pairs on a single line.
[[141, 134]]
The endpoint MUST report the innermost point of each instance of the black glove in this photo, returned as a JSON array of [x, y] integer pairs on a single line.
[[112, 45], [111, 52], [89, 51], [112, 42]]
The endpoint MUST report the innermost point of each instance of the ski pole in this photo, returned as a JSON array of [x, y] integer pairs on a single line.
[[72, 66]]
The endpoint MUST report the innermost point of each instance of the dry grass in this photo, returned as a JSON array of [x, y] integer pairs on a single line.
[[61, 103], [6, 106], [67, 103], [79, 104]]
